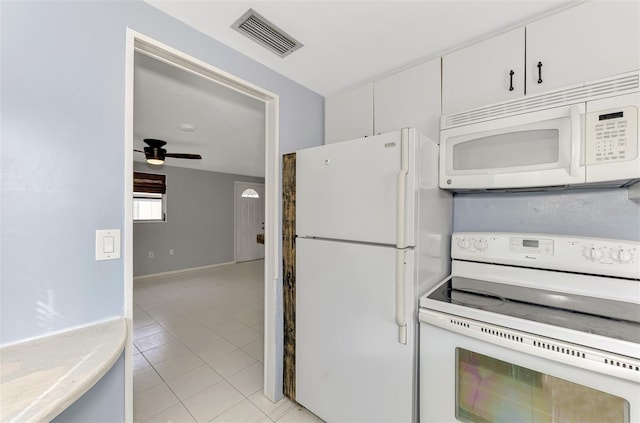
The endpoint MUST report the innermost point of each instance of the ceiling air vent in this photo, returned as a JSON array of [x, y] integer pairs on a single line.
[[264, 32]]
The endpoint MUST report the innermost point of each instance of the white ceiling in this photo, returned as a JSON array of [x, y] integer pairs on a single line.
[[345, 43], [229, 126], [348, 42]]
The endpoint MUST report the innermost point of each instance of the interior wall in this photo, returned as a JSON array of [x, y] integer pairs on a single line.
[[605, 213], [199, 226], [62, 153], [100, 404]]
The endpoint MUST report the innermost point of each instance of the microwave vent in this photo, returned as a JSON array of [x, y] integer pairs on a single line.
[[575, 94]]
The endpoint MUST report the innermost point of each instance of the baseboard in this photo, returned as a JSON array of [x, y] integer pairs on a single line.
[[172, 272]]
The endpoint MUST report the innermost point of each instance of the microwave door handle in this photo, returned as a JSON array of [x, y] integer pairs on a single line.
[[574, 159]]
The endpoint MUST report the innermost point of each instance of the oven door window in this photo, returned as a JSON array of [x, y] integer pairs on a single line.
[[491, 390]]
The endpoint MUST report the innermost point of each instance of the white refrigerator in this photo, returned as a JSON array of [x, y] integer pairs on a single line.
[[373, 232]]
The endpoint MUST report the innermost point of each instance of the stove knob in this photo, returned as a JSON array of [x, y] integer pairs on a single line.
[[480, 244], [621, 255], [614, 254], [463, 243], [592, 253], [627, 257]]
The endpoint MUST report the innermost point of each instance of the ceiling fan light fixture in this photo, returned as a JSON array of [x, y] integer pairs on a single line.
[[156, 162], [155, 154]]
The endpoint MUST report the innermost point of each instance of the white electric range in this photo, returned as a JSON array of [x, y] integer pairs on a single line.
[[533, 328]]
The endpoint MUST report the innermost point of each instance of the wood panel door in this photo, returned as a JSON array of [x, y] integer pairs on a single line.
[[289, 272]]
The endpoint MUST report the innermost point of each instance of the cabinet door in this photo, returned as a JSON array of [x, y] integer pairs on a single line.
[[410, 98], [349, 115], [593, 40], [479, 74]]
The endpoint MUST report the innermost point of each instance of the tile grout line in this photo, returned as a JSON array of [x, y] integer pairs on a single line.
[[205, 363], [191, 350]]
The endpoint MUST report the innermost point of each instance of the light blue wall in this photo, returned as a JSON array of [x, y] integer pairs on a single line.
[[604, 213], [103, 403], [62, 164], [62, 146]]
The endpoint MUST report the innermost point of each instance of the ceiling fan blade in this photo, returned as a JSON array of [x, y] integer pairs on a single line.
[[183, 156], [138, 151]]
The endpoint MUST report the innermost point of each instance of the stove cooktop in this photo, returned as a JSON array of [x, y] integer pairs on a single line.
[[614, 319]]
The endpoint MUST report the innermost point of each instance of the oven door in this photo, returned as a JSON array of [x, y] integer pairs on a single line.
[[537, 149], [467, 379]]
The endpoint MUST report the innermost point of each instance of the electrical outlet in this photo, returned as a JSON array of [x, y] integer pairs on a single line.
[[150, 254], [171, 251]]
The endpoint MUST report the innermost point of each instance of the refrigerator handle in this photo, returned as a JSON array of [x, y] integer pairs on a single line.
[[400, 234], [401, 187], [400, 320]]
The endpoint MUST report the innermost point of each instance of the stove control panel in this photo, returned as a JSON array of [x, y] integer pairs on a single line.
[[608, 253], [598, 256], [531, 245]]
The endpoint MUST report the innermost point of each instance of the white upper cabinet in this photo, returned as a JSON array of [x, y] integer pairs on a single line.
[[484, 73], [349, 115], [590, 41], [593, 40], [410, 98]]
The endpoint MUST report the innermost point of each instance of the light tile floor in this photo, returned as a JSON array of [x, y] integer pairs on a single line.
[[198, 340]]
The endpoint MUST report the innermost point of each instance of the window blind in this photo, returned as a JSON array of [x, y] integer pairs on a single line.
[[149, 182]]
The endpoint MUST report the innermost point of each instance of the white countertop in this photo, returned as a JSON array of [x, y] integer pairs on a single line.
[[40, 378]]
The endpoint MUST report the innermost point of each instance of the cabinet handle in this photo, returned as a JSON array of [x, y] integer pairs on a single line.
[[539, 72], [511, 80]]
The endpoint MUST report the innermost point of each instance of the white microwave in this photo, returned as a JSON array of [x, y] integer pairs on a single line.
[[582, 135]]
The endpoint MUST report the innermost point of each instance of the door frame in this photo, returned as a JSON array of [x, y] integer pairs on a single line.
[[235, 212], [137, 42]]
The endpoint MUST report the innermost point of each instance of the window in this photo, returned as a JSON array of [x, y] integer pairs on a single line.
[[148, 206], [250, 193], [149, 195]]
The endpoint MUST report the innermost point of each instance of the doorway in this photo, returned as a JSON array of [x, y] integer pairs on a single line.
[[249, 221], [140, 43]]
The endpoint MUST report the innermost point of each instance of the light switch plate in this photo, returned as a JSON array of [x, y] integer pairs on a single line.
[[107, 244]]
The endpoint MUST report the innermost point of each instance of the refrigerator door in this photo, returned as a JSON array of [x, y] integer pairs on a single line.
[[357, 190], [350, 366]]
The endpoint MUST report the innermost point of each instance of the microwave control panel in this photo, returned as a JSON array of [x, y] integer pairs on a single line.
[[612, 135]]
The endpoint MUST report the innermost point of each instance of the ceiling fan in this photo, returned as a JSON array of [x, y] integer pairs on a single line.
[[155, 154]]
